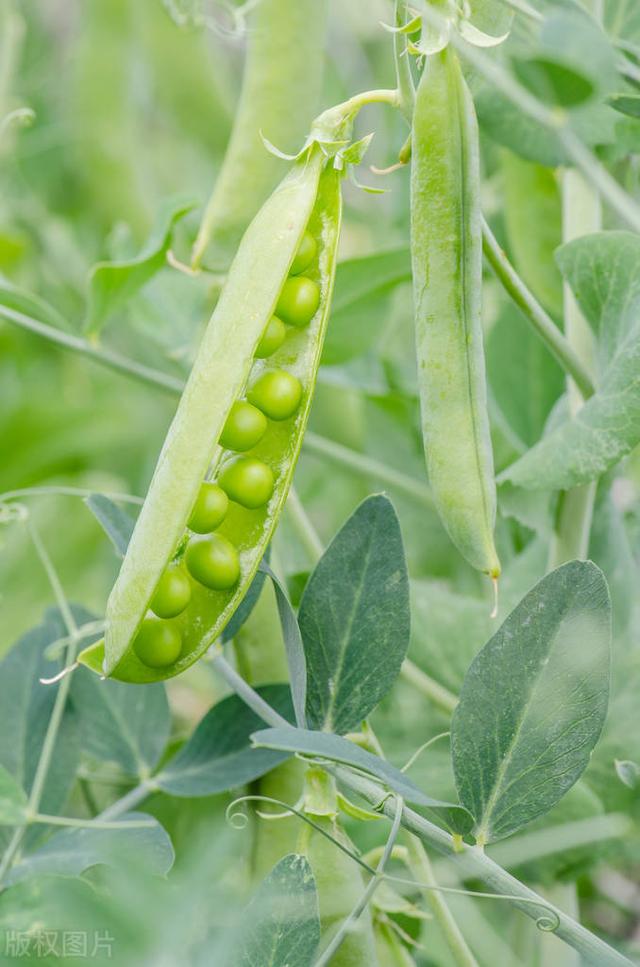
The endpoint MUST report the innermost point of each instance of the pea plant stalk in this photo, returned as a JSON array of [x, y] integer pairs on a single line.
[[192, 568]]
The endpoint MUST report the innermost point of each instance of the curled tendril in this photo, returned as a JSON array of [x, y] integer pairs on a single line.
[[548, 922], [11, 513], [232, 811], [22, 117]]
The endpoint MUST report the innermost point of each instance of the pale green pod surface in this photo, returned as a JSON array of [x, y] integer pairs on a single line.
[[446, 251], [308, 198], [279, 98]]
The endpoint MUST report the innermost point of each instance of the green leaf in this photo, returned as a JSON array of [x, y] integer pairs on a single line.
[[603, 271], [570, 62], [121, 723], [117, 525], [628, 772], [338, 749], [508, 125], [219, 755], [112, 283], [293, 647], [354, 618], [628, 104], [281, 926], [533, 702], [13, 801], [26, 710], [360, 303], [72, 851]]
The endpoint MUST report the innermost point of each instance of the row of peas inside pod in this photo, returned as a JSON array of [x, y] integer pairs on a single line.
[[238, 485]]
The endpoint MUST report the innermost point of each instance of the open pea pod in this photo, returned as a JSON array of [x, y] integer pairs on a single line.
[[226, 465]]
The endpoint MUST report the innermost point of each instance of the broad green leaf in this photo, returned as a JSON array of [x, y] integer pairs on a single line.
[[570, 62], [115, 522], [532, 216], [533, 702], [26, 709], [338, 749], [593, 123], [121, 723], [112, 283], [219, 755], [603, 271], [13, 801], [72, 851], [281, 926], [360, 303], [354, 618]]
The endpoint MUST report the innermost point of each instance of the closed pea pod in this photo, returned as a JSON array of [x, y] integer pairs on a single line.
[[446, 245], [208, 511]]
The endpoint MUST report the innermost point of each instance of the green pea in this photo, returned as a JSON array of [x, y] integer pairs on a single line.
[[172, 595], [209, 510], [213, 561], [299, 301], [277, 393], [248, 481], [157, 643], [272, 338], [245, 426], [305, 254]]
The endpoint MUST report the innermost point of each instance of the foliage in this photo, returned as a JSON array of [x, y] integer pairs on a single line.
[[267, 805]]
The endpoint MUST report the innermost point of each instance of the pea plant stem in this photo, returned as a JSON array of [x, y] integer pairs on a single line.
[[129, 801], [420, 866], [304, 527], [542, 323], [312, 443], [441, 697], [106, 357], [53, 727], [581, 214], [472, 862], [368, 466]]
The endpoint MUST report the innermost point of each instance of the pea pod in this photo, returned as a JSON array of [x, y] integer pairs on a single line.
[[280, 91], [446, 246], [230, 500]]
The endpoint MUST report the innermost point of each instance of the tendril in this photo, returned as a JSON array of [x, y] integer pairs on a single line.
[[423, 748], [230, 815], [13, 513], [60, 675], [548, 922]]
